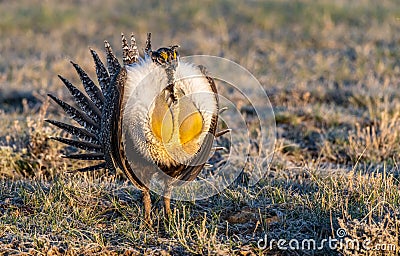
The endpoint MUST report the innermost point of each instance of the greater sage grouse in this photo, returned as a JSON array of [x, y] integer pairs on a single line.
[[151, 111]]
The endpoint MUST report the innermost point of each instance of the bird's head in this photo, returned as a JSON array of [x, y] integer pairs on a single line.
[[166, 56]]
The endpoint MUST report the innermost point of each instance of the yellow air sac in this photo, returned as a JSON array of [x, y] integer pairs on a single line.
[[161, 121]]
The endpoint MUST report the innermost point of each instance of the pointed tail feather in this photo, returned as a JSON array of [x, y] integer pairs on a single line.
[[91, 88], [76, 131], [219, 148], [90, 168], [80, 144], [220, 133], [77, 115], [129, 52], [86, 156], [147, 50], [222, 110], [112, 61], [134, 48], [101, 72], [83, 101]]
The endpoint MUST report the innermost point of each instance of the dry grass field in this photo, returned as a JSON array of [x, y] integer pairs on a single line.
[[331, 70]]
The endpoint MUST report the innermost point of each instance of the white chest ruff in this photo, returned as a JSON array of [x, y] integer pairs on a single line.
[[145, 81]]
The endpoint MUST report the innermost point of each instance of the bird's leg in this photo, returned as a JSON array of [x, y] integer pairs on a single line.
[[147, 206], [167, 199]]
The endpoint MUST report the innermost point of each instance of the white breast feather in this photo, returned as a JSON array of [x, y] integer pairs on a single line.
[[145, 81]]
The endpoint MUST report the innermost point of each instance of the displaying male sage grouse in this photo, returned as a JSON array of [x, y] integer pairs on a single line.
[[150, 112]]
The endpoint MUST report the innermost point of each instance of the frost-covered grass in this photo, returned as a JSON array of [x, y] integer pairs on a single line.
[[331, 70]]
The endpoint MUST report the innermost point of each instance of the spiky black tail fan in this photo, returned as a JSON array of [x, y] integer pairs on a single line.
[[96, 109]]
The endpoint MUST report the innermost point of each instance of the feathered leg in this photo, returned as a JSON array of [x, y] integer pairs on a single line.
[[167, 199], [147, 206]]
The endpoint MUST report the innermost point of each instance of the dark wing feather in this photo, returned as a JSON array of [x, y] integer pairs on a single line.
[[119, 156], [108, 115]]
